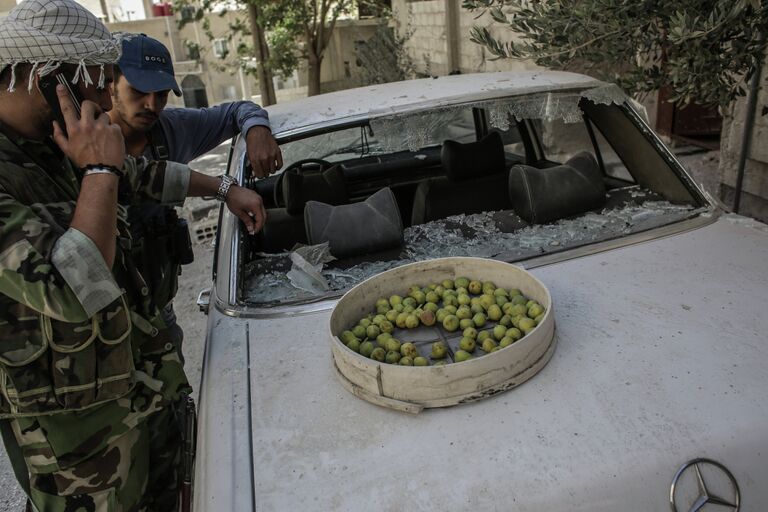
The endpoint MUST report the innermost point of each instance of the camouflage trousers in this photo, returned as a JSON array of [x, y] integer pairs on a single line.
[[119, 457]]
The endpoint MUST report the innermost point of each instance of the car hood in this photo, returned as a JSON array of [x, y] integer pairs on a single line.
[[661, 358]]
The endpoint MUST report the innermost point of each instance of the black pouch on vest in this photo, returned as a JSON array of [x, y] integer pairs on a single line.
[[182, 243]]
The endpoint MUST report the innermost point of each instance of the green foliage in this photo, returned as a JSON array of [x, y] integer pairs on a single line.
[[705, 50], [279, 20], [285, 23], [284, 51]]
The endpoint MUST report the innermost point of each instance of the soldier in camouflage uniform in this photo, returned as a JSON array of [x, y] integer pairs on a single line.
[[88, 384]]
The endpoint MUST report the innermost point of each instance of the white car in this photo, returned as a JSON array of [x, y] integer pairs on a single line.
[[655, 397]]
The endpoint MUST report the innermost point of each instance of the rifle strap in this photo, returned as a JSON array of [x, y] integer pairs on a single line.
[[158, 142], [15, 455]]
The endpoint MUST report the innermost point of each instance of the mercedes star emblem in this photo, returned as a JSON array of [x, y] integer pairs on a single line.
[[705, 495]]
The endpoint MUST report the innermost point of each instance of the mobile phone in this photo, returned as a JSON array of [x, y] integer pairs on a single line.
[[48, 85]]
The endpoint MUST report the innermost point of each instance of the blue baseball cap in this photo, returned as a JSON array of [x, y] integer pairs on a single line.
[[147, 66]]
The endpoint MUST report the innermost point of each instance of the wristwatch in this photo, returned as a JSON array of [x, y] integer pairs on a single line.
[[226, 182]]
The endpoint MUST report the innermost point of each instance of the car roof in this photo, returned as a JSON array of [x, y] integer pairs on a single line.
[[353, 105]]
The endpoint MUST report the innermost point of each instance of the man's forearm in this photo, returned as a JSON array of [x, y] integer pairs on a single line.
[[202, 185], [96, 213]]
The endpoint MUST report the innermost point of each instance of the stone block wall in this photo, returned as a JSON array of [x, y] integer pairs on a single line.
[[427, 21], [754, 195]]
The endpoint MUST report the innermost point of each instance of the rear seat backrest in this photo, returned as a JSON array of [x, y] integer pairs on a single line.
[[476, 181], [539, 196], [327, 186], [285, 226], [473, 160]]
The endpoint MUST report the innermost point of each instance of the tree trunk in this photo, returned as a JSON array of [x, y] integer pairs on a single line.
[[313, 85], [264, 73]]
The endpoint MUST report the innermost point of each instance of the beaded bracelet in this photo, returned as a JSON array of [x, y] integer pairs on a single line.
[[102, 169]]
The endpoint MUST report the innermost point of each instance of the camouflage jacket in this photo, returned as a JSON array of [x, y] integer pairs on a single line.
[[70, 327]]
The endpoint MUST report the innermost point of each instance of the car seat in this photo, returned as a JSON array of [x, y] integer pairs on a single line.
[[475, 181], [285, 226], [539, 196]]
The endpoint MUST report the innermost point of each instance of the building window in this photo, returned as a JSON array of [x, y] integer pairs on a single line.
[[193, 50], [220, 48]]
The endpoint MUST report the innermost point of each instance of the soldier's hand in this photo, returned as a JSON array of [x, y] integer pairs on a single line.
[[263, 152], [90, 139], [248, 206]]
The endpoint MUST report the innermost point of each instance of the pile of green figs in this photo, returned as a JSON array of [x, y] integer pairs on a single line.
[[489, 318]]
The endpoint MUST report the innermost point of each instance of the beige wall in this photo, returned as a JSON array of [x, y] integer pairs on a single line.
[[754, 198], [428, 20], [6, 6], [338, 69]]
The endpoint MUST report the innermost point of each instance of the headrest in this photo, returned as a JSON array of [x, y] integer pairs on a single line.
[[299, 187], [356, 229], [473, 159], [543, 195]]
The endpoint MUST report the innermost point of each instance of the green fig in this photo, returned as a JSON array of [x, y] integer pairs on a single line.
[[450, 323], [439, 350], [479, 320], [411, 322], [506, 341], [467, 344], [463, 312], [392, 345], [372, 331], [427, 318], [408, 349], [494, 312], [420, 361], [535, 310], [366, 348], [392, 357], [359, 331], [462, 355], [379, 354]]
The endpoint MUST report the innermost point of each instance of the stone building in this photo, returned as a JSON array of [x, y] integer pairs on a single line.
[[754, 187]]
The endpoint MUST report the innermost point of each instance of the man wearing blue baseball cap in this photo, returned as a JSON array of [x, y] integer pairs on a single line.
[[143, 79], [140, 93]]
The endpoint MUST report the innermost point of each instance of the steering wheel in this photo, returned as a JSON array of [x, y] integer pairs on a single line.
[[300, 166]]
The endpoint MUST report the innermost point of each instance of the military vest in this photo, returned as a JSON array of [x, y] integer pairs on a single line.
[[49, 364]]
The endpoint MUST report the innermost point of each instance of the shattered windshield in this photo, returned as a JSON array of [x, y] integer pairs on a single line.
[[445, 210], [377, 138], [477, 235]]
